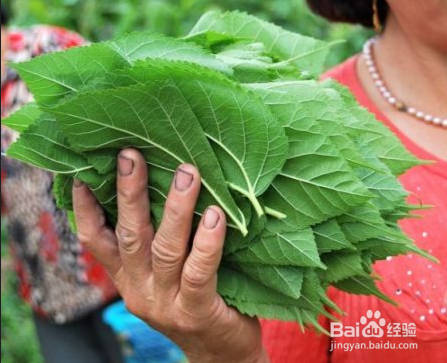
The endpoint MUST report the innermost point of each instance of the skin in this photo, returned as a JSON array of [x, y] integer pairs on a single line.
[[160, 281], [173, 287], [411, 56]]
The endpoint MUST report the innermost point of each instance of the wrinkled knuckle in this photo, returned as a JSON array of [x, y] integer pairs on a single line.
[[195, 276], [206, 254], [163, 255], [128, 239]]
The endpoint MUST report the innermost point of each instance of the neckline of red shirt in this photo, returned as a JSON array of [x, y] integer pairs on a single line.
[[440, 165]]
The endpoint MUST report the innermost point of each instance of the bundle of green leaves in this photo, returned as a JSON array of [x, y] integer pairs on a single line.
[[306, 176]]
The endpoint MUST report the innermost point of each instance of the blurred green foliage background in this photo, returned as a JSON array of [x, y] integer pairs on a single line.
[[102, 19]]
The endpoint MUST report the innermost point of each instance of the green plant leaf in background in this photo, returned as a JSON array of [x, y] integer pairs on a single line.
[[52, 77], [23, 117], [305, 53]]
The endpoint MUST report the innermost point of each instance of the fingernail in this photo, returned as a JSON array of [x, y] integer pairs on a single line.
[[183, 179], [211, 218], [77, 183], [125, 165]]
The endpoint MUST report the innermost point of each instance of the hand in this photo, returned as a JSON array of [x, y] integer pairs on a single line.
[[170, 288]]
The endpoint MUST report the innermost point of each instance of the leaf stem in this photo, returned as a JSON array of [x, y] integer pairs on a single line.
[[274, 213], [251, 197], [255, 202]]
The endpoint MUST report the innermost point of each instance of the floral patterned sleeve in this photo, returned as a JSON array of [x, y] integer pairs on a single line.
[[24, 44], [57, 277]]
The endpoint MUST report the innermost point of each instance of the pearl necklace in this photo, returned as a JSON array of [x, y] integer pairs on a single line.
[[389, 97]]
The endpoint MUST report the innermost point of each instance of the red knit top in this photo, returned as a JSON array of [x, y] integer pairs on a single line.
[[419, 286]]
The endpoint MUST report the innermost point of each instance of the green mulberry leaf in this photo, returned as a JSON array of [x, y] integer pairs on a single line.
[[52, 77], [249, 144], [284, 279], [24, 117], [329, 237], [164, 122], [281, 248], [307, 54]]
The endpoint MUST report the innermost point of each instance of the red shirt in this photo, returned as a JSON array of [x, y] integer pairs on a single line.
[[419, 286]]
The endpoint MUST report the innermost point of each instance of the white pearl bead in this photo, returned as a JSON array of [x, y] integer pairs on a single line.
[[369, 61]]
